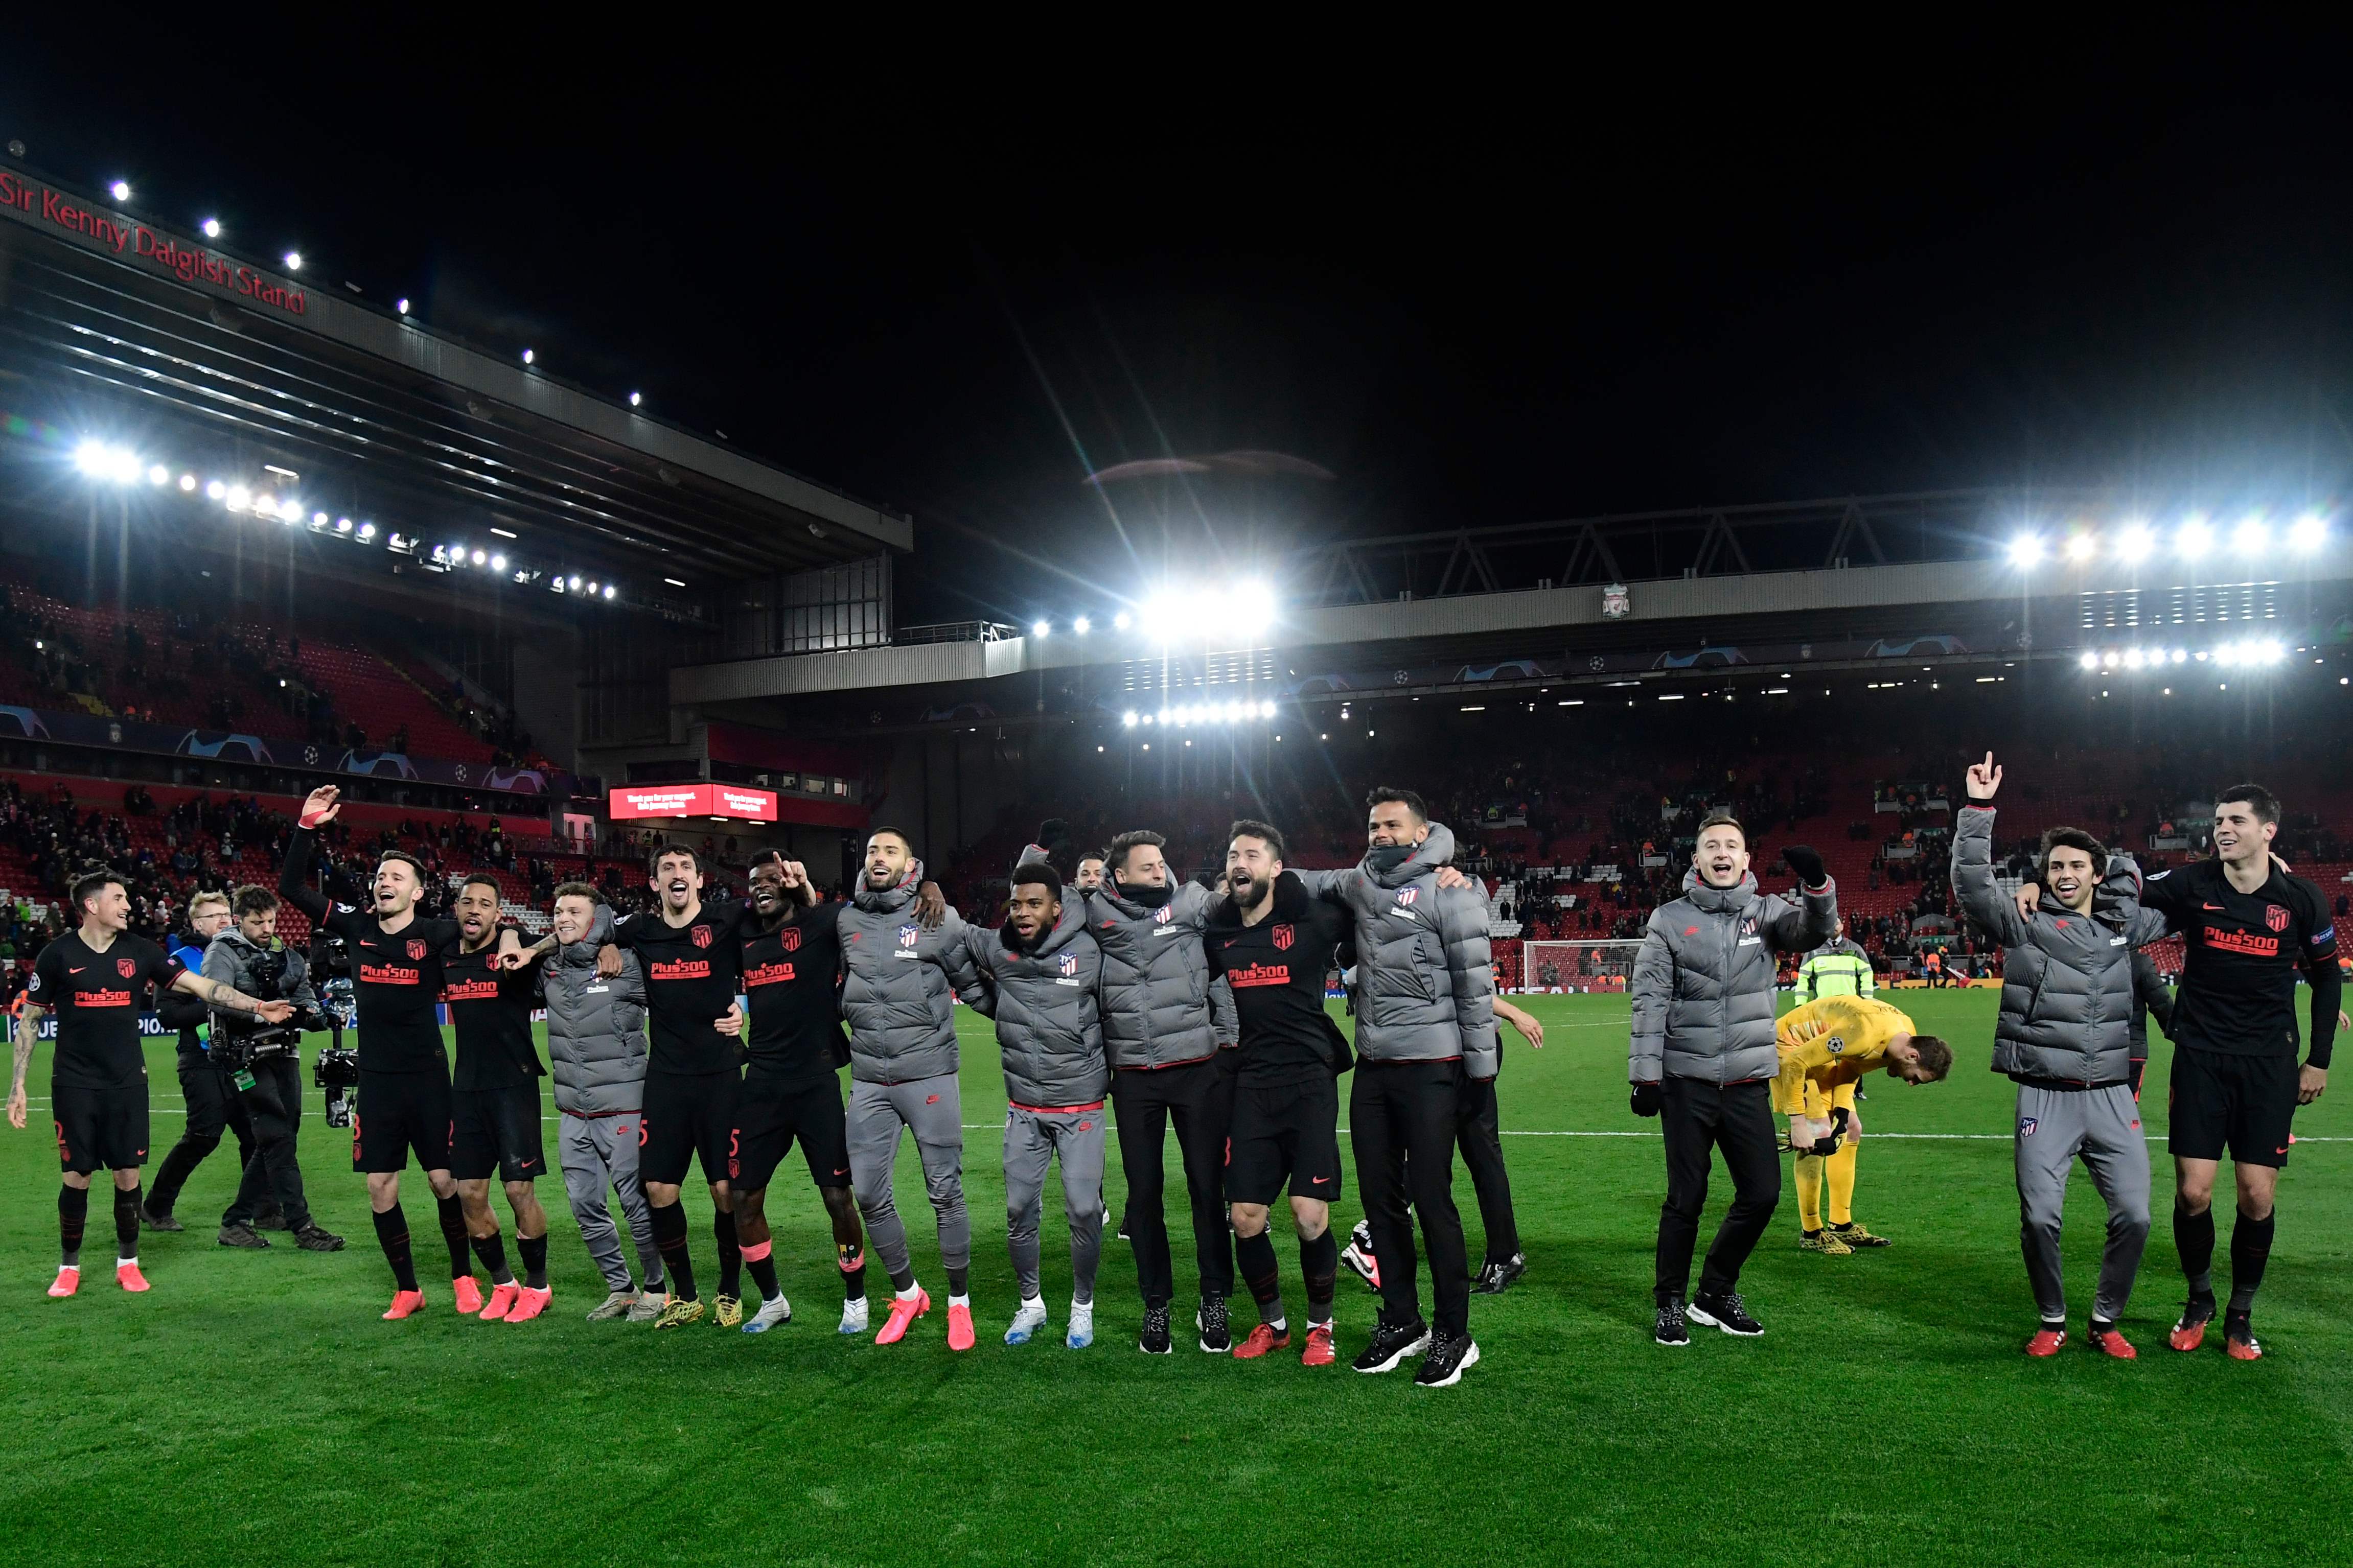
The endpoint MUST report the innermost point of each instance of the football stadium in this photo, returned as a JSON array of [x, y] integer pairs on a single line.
[[410, 754]]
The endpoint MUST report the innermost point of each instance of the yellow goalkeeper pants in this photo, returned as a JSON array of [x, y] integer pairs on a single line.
[[1809, 1186]]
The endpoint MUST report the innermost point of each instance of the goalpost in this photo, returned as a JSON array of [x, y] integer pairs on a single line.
[[1565, 967]]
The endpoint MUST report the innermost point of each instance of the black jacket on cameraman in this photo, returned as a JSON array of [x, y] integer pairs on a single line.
[[270, 974]]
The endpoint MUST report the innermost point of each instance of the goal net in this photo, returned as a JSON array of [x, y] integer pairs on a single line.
[[1577, 967]]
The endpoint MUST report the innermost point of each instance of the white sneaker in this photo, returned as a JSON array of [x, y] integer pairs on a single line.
[[614, 1305], [649, 1307], [853, 1316], [772, 1313], [1082, 1325], [1027, 1321]]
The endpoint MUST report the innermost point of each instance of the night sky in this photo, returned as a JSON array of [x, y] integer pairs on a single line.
[[1511, 278]]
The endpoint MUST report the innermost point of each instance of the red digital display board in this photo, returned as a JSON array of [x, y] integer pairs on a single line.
[[735, 802]]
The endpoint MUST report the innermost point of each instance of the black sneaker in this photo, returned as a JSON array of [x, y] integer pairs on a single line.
[[1156, 1331], [242, 1235], [1496, 1276], [1726, 1312], [150, 1220], [1670, 1330], [1392, 1343], [272, 1219], [1217, 1338], [313, 1237], [1123, 1228], [1447, 1359]]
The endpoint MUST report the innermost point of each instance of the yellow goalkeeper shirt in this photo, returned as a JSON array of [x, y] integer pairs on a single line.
[[1828, 1044]]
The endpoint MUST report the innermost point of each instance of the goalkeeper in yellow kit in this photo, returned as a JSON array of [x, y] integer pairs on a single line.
[[1826, 1046]]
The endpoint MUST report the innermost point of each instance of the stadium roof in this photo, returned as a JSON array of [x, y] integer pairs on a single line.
[[116, 327]]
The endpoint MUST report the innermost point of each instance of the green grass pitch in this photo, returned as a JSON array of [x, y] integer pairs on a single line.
[[253, 1407]]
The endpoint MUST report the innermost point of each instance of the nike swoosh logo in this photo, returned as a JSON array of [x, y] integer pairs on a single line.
[[73, 972], [2215, 907]]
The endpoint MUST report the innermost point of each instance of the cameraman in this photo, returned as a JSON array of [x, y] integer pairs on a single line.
[[212, 1104], [263, 1068]]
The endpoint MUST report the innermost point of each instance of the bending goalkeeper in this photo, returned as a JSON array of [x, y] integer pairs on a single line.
[[1826, 1047]]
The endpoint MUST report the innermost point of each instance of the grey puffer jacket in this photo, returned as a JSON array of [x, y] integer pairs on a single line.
[[596, 1028], [2067, 990], [240, 965], [1704, 981], [1158, 1004], [1049, 1021], [899, 985], [1425, 975]]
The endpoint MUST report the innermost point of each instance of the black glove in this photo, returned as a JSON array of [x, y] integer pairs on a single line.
[[1808, 864], [1647, 1099], [1052, 831]]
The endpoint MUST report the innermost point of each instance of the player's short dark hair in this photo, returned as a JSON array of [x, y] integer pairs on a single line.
[[1413, 803], [900, 834], [576, 891], [1721, 819], [2258, 800], [252, 899], [1116, 857], [90, 884], [1935, 1057], [498, 890], [1265, 832], [654, 857], [1038, 874], [2071, 839], [416, 866]]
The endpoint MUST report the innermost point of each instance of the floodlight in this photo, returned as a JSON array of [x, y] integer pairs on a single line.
[[1127, 720], [498, 563], [2308, 533], [2252, 533], [2132, 658], [2080, 546], [2134, 542], [294, 261], [120, 190], [367, 530], [1082, 626], [188, 481], [609, 590], [2025, 550], [216, 490], [2196, 537], [1266, 710], [480, 556], [157, 474], [1039, 628], [1122, 620], [211, 227], [2090, 660], [636, 398], [401, 305]]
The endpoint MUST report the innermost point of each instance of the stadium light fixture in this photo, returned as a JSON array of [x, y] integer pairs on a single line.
[[265, 505], [216, 491], [2253, 534], [1127, 720], [211, 227], [498, 563], [400, 306], [1266, 710], [636, 398], [291, 510], [2196, 537], [2227, 655], [1082, 626], [592, 586], [2026, 550], [343, 525], [480, 556], [576, 585], [2308, 533], [675, 582], [120, 190], [1041, 629], [188, 481], [2081, 546], [367, 531], [2109, 659], [294, 261], [505, 533], [2134, 541], [157, 474], [2271, 652], [609, 590], [237, 497], [528, 356]]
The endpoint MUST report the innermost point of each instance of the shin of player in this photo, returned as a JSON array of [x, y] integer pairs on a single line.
[[404, 1093], [1702, 1055], [899, 979], [490, 989], [1040, 972], [98, 978], [792, 1091]]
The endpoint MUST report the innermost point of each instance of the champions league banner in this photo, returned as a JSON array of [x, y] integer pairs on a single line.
[[172, 740]]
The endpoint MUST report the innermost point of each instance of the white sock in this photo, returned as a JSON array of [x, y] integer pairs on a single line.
[[68, 1267], [910, 1293], [129, 1262], [964, 1300]]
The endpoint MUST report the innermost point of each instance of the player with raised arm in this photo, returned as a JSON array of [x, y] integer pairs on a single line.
[[488, 986], [693, 959], [404, 1092], [2247, 927], [792, 1091], [98, 978]]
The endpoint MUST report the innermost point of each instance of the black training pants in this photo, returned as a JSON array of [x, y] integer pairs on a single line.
[[1402, 1118], [274, 1107], [1479, 1129], [211, 1109], [1697, 1118], [1198, 1097]]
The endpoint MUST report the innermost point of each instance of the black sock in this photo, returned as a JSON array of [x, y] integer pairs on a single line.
[[1320, 1260], [899, 1286], [2251, 1249], [852, 1261], [959, 1281], [1254, 1255], [391, 1235], [73, 1214], [534, 1260], [670, 1237], [2193, 1237], [453, 1231], [764, 1275], [126, 1226], [731, 1254], [493, 1250]]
